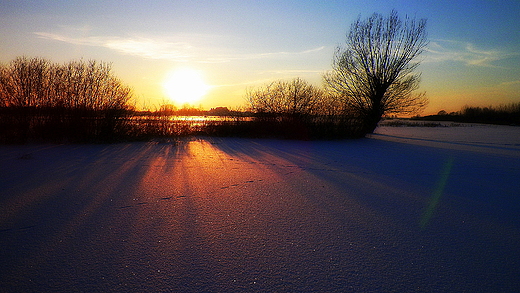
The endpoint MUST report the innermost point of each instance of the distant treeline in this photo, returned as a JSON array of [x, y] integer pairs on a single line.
[[188, 110], [508, 114], [82, 101]]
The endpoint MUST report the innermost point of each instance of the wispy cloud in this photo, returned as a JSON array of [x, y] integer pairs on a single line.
[[291, 71], [137, 46], [168, 49], [510, 83], [290, 53], [246, 83], [149, 48], [467, 53], [273, 75], [85, 41]]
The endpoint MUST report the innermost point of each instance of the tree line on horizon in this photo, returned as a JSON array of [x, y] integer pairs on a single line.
[[80, 100], [373, 75], [504, 114]]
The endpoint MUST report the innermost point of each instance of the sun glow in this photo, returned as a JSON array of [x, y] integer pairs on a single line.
[[185, 86]]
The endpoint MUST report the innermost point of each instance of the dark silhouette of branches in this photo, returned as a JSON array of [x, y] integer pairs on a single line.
[[78, 100], [36, 82], [298, 110], [373, 74], [295, 98], [25, 82]]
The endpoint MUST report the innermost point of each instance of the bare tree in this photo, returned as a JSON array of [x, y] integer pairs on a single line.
[[294, 98], [38, 97], [35, 82], [90, 85], [373, 74], [24, 82]]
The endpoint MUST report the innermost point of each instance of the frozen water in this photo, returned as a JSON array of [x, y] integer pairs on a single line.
[[406, 210]]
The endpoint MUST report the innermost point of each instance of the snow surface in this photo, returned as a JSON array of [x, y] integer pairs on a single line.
[[408, 209]]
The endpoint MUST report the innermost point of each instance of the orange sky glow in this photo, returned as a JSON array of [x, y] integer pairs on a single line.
[[473, 57]]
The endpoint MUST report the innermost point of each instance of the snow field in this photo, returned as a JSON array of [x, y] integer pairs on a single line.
[[408, 209]]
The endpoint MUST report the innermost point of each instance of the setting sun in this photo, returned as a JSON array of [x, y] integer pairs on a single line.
[[185, 86]]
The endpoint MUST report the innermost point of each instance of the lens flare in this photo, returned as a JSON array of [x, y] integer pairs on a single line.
[[434, 200]]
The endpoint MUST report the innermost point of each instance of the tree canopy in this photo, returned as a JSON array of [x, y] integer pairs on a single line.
[[374, 73]]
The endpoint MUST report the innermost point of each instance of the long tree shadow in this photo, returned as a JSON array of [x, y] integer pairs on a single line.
[[393, 186], [77, 215], [395, 166], [358, 169]]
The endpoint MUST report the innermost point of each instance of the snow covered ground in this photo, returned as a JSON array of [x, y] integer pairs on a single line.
[[408, 209]]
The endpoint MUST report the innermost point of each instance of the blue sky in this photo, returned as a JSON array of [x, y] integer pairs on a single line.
[[473, 56]]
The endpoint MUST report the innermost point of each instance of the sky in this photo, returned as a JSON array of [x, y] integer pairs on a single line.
[[473, 55]]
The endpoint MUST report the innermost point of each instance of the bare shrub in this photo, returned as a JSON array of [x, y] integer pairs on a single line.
[[75, 101], [291, 98]]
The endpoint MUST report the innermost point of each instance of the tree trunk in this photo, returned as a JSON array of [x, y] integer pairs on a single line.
[[373, 117], [371, 122]]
